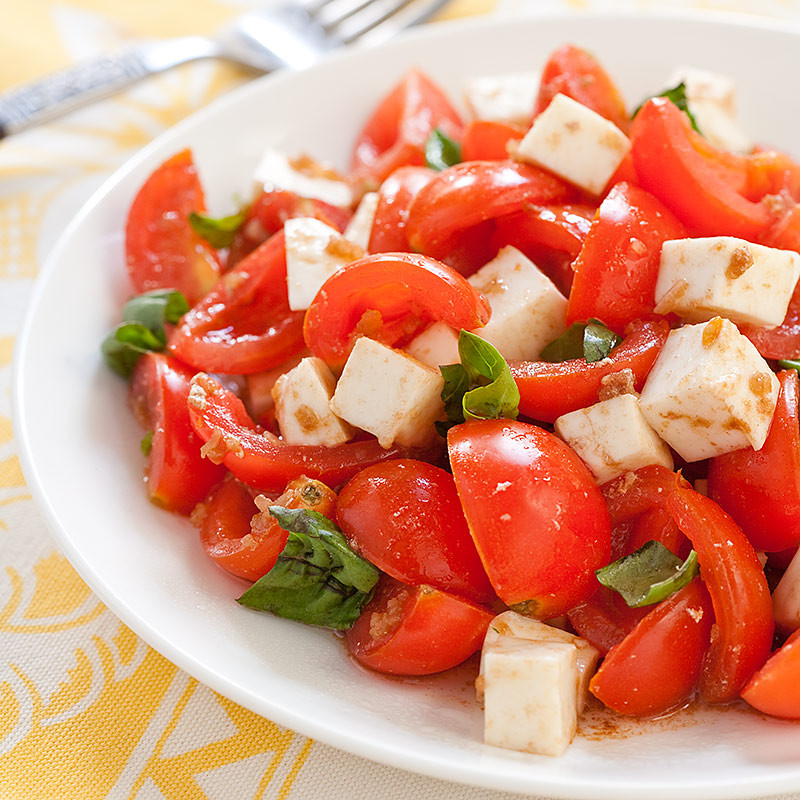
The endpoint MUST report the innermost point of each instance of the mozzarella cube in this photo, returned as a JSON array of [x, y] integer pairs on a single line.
[[786, 597], [503, 98], [435, 346], [613, 437], [710, 392], [359, 229], [528, 312], [389, 394], [302, 406], [712, 100], [304, 177], [314, 251], [512, 624], [529, 695], [575, 143], [722, 276]]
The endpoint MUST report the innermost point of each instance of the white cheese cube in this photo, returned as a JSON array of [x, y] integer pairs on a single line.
[[613, 437], [786, 597], [359, 228], [722, 276], [575, 143], [304, 177], [302, 406], [503, 98], [389, 394], [435, 346], [712, 100], [512, 624], [529, 695], [710, 392], [528, 312], [314, 251]]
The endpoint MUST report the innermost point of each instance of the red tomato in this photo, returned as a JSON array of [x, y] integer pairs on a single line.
[[177, 476], [704, 187], [405, 517], [416, 630], [775, 689], [655, 668], [244, 324], [487, 140], [394, 199], [577, 74], [657, 525], [389, 297], [536, 515], [162, 251], [549, 390], [244, 541], [467, 194], [395, 134], [605, 619], [761, 490], [616, 271], [261, 459]]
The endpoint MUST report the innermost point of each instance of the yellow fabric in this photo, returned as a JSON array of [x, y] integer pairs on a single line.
[[87, 710]]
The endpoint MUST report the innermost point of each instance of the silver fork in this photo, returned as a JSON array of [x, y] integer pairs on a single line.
[[293, 35]]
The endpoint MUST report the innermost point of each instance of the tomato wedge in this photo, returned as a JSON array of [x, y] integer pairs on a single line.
[[394, 199], [774, 689], [549, 390], [161, 249], [488, 140], [389, 297]]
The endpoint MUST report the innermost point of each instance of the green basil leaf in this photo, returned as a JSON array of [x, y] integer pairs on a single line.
[[786, 363], [648, 575], [217, 231], [318, 579], [590, 340], [156, 308], [123, 347], [456, 385], [441, 151], [678, 96], [146, 445]]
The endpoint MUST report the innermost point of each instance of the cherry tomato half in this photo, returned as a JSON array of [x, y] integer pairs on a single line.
[[774, 689]]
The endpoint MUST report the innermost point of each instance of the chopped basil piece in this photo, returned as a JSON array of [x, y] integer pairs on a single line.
[[678, 96], [318, 579], [441, 151], [786, 363], [146, 444], [590, 340], [156, 308], [217, 231], [648, 575], [480, 387], [126, 343]]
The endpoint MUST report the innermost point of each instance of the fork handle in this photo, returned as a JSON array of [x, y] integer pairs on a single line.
[[71, 88]]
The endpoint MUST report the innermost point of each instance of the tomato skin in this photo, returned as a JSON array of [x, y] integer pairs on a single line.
[[761, 490], [488, 140], [704, 187], [577, 74], [246, 542], [408, 292], [244, 324], [655, 668], [416, 630], [774, 689], [617, 268], [161, 249], [395, 134], [549, 390], [394, 199], [405, 517], [604, 620], [467, 194], [177, 476], [262, 460], [524, 492]]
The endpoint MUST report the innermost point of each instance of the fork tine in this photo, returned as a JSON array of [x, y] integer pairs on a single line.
[[379, 20], [329, 13], [412, 13]]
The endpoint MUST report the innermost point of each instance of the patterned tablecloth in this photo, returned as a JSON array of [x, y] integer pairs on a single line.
[[88, 710]]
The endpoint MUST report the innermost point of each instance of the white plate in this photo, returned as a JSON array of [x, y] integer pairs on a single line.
[[79, 444]]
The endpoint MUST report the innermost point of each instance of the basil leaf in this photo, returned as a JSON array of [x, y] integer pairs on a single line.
[[648, 575], [786, 363], [441, 151], [146, 445], [456, 385], [122, 348], [217, 231], [590, 340], [678, 96], [156, 308], [318, 579]]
